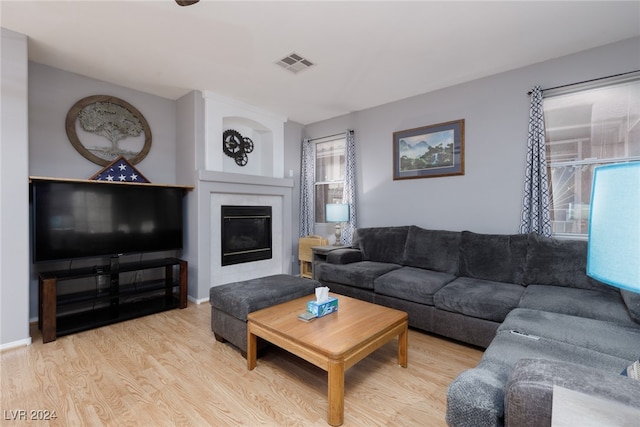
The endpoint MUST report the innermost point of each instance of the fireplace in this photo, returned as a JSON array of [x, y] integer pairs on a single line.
[[246, 234]]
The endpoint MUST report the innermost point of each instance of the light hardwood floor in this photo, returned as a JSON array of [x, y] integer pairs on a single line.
[[167, 370]]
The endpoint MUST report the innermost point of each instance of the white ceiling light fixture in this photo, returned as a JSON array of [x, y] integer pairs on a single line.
[[294, 63]]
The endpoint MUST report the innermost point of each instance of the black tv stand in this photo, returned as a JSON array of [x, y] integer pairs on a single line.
[[65, 311]]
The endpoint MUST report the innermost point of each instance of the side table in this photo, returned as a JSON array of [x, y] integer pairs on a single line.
[[320, 255]]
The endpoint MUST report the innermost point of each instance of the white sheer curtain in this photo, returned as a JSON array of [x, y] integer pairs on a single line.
[[307, 190], [349, 195], [307, 179], [536, 210]]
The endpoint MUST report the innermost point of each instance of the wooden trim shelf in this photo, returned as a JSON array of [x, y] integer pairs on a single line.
[[147, 184]]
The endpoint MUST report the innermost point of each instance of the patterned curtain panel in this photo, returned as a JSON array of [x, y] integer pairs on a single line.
[[536, 211], [307, 176], [349, 195]]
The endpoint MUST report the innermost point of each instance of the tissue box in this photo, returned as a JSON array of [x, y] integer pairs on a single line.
[[323, 308]]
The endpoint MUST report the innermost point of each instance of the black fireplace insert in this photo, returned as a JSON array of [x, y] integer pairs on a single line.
[[246, 234]]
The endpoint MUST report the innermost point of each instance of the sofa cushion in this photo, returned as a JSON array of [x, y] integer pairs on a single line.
[[508, 348], [432, 249], [383, 244], [497, 257], [411, 284], [483, 299], [344, 256], [632, 301], [481, 391], [529, 389], [359, 274], [604, 337], [476, 397], [577, 302], [559, 263]]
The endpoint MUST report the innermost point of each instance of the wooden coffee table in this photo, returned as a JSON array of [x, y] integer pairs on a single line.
[[334, 342]]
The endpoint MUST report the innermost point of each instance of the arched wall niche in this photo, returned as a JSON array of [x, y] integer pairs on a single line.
[[260, 160], [265, 129]]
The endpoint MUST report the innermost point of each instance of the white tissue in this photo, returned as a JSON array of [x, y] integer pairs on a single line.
[[322, 294]]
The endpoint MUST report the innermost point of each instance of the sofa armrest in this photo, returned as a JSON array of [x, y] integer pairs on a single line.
[[344, 256], [529, 390]]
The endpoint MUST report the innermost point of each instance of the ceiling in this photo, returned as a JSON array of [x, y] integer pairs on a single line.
[[365, 53]]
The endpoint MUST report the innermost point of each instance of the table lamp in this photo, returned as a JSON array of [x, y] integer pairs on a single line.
[[338, 213], [614, 226]]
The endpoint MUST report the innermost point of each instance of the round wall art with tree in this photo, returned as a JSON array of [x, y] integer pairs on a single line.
[[109, 127]]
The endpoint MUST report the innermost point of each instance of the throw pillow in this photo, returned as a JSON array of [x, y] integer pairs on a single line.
[[560, 263], [633, 370], [432, 249], [383, 244], [495, 257]]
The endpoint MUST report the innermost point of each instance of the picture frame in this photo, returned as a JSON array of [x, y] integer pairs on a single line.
[[429, 151]]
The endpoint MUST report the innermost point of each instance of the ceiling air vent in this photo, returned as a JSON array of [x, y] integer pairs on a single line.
[[294, 63]]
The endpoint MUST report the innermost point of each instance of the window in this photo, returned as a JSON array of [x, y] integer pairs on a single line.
[[329, 182], [584, 129]]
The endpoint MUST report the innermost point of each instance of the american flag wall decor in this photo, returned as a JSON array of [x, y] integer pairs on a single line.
[[120, 170]]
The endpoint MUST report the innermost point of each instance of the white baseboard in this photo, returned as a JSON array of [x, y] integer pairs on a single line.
[[27, 341], [197, 301], [14, 344]]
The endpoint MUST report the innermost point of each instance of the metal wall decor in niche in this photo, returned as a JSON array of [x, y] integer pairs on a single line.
[[236, 146], [110, 128]]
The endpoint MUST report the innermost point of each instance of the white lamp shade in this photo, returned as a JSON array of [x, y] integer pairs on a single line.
[[337, 212], [614, 226]]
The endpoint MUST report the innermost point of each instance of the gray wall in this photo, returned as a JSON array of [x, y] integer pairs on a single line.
[[52, 92], [14, 191], [488, 197], [292, 156], [189, 129]]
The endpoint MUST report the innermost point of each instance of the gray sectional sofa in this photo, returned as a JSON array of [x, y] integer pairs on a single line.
[[524, 298]]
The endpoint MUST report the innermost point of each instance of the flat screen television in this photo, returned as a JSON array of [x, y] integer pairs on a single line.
[[75, 219]]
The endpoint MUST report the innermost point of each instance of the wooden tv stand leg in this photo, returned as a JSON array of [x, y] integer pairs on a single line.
[[47, 309]]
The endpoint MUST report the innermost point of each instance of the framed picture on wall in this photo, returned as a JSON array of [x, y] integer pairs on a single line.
[[429, 151]]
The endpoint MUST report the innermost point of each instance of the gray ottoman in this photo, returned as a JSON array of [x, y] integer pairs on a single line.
[[231, 303]]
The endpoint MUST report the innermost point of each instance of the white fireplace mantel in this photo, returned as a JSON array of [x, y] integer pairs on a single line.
[[241, 179], [220, 181], [215, 189]]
